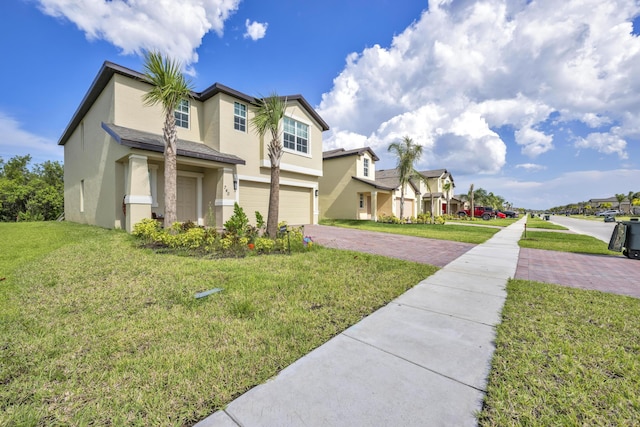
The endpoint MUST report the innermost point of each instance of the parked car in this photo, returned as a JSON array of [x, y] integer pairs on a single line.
[[485, 213], [610, 212], [500, 214], [511, 214]]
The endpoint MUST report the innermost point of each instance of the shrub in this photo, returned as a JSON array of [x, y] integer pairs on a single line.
[[265, 245], [238, 224]]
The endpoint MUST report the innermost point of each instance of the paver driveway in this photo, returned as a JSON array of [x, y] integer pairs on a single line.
[[417, 249], [611, 274]]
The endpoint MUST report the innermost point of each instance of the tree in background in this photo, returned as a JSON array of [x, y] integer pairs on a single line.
[[170, 87], [620, 198], [270, 113], [631, 196], [30, 195], [407, 153]]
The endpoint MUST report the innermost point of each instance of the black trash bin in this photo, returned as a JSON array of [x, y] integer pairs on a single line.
[[626, 238]]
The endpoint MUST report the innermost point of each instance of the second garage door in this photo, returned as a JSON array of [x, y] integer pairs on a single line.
[[295, 202]]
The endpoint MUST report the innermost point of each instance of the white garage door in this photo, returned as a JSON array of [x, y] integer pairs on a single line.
[[187, 199], [295, 202]]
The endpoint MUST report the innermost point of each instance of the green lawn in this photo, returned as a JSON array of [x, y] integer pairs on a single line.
[[457, 233], [565, 357], [500, 222], [565, 242], [94, 331], [536, 222]]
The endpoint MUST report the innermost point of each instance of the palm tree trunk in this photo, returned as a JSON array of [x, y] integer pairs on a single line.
[[274, 202], [170, 171], [401, 201]]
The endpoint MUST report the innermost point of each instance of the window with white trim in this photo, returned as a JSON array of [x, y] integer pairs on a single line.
[[296, 135], [366, 167], [361, 201], [182, 114], [239, 117]]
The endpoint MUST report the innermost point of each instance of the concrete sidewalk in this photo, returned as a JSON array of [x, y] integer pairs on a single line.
[[421, 360]]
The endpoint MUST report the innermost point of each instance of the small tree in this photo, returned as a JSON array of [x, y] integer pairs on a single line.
[[620, 198]]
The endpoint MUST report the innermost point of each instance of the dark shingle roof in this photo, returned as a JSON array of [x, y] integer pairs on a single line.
[[341, 152], [376, 184], [152, 142], [108, 69]]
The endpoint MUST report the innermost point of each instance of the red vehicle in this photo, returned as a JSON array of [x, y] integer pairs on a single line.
[[483, 212], [500, 215]]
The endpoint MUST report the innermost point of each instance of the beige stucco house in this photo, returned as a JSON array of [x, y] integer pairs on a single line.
[[352, 188], [348, 188], [113, 156]]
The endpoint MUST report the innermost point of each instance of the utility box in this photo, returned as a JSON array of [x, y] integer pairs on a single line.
[[626, 239]]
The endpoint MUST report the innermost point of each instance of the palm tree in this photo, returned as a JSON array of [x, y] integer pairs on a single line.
[[169, 88], [447, 188], [620, 198], [407, 153], [470, 198], [630, 196], [267, 119]]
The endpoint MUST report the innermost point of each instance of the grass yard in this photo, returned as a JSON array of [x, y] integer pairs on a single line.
[[94, 331], [564, 357], [536, 222], [499, 222], [565, 242], [456, 233]]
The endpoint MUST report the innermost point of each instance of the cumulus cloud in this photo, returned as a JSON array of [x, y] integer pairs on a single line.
[[136, 25], [255, 30], [18, 142], [607, 143], [467, 68], [531, 167]]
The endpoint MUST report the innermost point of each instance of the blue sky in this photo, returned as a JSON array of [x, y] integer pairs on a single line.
[[536, 101]]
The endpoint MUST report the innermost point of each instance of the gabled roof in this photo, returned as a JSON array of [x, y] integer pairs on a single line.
[[391, 177], [152, 142], [437, 173], [375, 184], [341, 152], [108, 70]]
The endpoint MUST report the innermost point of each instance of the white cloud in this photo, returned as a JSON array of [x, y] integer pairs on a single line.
[[137, 25], [607, 143], [534, 141], [531, 167], [18, 142], [466, 67], [255, 30]]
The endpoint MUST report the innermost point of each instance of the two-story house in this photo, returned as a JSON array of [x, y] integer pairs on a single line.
[[348, 186], [113, 156], [440, 190]]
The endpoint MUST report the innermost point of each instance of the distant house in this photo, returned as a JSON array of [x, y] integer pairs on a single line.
[[348, 188], [352, 188], [113, 156], [625, 206]]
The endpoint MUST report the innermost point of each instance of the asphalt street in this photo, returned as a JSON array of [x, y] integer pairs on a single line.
[[598, 229]]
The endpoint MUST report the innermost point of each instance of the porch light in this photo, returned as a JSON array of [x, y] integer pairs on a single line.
[[235, 182], [316, 192]]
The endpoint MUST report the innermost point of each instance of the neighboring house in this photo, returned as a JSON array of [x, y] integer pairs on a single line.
[[352, 188], [114, 164], [624, 206], [438, 179], [348, 188]]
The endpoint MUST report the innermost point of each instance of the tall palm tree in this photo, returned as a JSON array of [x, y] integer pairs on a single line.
[[470, 198], [630, 196], [270, 112], [447, 187], [620, 198], [169, 88], [407, 153]]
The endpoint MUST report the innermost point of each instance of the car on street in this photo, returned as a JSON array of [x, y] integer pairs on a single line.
[[511, 214], [610, 212]]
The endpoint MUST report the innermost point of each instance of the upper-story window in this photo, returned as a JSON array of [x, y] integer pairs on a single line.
[[296, 135], [239, 117], [182, 114], [366, 167]]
